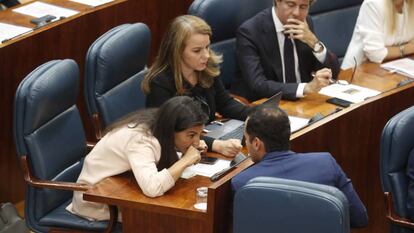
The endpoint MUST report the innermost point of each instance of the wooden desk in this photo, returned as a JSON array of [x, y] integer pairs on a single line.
[[172, 212], [352, 135], [67, 38]]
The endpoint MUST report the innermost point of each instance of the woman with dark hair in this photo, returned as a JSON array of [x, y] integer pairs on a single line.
[[185, 65], [149, 143]]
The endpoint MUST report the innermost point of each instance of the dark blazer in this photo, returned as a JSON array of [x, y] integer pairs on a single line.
[[216, 98], [318, 168], [410, 193], [260, 72]]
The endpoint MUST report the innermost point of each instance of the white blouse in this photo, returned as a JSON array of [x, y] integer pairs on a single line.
[[117, 152], [371, 36]]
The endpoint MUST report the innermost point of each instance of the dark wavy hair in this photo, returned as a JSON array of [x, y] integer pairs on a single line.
[[175, 115]]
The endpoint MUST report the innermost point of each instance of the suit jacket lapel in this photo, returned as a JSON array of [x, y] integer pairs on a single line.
[[271, 44]]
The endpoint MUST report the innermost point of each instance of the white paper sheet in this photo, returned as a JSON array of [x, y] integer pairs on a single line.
[[8, 31], [207, 169], [404, 66], [351, 92], [93, 3], [297, 123], [40, 9]]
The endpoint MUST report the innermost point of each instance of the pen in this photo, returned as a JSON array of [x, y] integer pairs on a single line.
[[331, 80]]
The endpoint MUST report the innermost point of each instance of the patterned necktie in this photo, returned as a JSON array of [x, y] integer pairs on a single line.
[[289, 60]]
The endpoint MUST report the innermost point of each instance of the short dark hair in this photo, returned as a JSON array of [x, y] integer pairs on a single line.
[[271, 125]]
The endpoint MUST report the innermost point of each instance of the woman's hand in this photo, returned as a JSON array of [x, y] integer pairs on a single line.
[[229, 147], [191, 156]]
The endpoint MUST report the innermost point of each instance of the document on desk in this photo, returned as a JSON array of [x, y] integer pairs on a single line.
[[207, 169], [297, 123], [40, 9], [350, 92], [92, 3], [404, 66], [8, 31]]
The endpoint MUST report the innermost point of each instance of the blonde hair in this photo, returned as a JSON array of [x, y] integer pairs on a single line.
[[171, 50], [391, 15]]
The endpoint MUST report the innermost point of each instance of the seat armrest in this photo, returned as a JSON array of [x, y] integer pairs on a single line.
[[391, 215], [33, 181], [90, 146]]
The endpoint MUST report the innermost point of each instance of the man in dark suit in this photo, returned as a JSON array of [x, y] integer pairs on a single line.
[[268, 63], [267, 133]]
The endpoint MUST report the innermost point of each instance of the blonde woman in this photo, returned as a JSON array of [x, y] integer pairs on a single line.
[[384, 31], [186, 65]]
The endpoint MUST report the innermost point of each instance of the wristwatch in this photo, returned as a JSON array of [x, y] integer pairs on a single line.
[[318, 47]]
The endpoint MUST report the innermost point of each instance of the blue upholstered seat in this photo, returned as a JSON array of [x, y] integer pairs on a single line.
[[396, 145], [50, 143], [334, 22], [267, 204], [115, 67], [225, 17]]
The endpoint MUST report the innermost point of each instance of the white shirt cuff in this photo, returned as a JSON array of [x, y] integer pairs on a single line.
[[299, 91], [322, 55]]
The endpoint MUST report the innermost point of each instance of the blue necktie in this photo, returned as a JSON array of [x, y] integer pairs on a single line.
[[289, 60]]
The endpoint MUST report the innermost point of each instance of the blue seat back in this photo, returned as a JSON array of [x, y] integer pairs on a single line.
[[396, 145], [267, 204], [112, 74], [224, 18], [334, 22], [48, 130]]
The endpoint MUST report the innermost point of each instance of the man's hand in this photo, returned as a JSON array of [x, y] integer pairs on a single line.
[[229, 147], [320, 79], [297, 29]]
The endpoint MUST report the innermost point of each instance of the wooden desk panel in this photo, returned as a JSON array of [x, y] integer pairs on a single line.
[[172, 212], [353, 136]]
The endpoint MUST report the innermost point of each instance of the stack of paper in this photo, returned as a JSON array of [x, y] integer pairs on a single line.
[[208, 169], [93, 3], [404, 66], [40, 9], [350, 92], [297, 123], [8, 31]]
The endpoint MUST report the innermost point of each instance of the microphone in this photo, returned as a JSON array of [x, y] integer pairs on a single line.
[[318, 116], [240, 157], [404, 82]]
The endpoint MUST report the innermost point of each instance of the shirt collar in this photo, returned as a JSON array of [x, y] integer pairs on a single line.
[[277, 154], [276, 21]]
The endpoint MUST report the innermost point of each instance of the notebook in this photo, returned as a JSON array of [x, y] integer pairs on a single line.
[[232, 128]]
